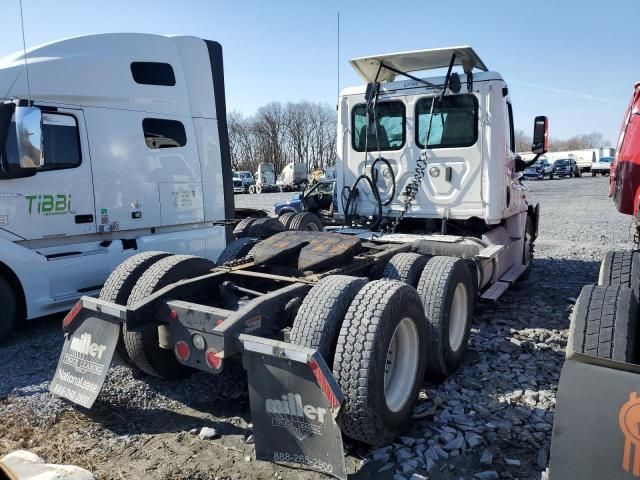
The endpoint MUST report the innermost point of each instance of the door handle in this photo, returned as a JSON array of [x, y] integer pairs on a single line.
[[84, 218]]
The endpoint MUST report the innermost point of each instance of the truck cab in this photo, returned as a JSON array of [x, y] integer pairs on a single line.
[[469, 170], [134, 157]]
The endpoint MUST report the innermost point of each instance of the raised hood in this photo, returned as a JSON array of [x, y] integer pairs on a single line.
[[413, 61]]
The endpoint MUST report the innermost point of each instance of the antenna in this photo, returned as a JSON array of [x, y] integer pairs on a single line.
[[338, 53], [24, 49]]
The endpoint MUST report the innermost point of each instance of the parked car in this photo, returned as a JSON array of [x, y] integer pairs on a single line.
[[238, 186], [566, 167], [539, 170], [602, 166], [320, 199]]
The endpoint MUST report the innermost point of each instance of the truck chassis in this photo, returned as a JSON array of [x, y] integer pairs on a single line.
[[250, 307]]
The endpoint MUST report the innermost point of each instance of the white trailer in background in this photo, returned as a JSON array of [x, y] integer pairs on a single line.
[[136, 158]]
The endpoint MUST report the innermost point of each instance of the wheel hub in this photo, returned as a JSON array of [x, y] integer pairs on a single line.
[[401, 365]]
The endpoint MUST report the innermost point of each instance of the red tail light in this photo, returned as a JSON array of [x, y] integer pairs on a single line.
[[213, 360], [173, 315], [183, 352]]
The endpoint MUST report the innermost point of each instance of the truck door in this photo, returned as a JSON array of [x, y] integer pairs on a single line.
[[57, 201]]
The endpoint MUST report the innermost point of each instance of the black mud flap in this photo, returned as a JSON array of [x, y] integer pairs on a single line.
[[87, 352], [294, 405], [596, 428]]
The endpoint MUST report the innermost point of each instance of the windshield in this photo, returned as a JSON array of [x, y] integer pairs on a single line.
[[561, 162], [606, 159], [244, 174]]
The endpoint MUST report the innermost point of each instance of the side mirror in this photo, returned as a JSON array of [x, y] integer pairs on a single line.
[[540, 135], [29, 131]]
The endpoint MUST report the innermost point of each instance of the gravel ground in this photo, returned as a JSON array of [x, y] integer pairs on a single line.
[[492, 419]]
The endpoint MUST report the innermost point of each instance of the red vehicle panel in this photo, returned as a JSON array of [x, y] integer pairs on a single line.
[[625, 170]]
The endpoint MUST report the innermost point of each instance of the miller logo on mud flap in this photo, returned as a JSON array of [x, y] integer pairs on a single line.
[[301, 420], [294, 405], [85, 359], [629, 420]]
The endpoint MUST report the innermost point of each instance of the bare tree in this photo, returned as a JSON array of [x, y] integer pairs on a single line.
[[523, 141], [279, 134]]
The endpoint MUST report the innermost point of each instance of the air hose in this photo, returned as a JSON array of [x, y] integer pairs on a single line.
[[372, 181]]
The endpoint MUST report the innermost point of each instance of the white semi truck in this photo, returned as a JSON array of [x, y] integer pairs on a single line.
[[338, 329], [265, 178], [135, 158], [293, 177]]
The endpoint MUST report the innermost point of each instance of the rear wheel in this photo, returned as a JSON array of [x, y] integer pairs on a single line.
[[405, 267], [621, 268], [306, 221], [242, 228], [239, 248], [593, 174], [604, 323], [252, 189], [551, 176], [447, 290], [143, 347], [258, 189], [380, 361], [9, 311], [286, 218], [120, 283], [320, 316]]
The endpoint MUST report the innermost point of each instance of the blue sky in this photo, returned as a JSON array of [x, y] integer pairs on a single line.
[[575, 61]]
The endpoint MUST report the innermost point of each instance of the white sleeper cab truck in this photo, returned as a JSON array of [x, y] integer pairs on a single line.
[[338, 329], [128, 152]]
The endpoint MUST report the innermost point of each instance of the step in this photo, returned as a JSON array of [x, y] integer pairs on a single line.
[[490, 252], [512, 275], [494, 292]]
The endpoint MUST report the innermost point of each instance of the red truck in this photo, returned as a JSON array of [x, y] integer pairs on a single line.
[[596, 431]]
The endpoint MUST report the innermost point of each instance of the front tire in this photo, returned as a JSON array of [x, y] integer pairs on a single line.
[[9, 312], [447, 290], [380, 361]]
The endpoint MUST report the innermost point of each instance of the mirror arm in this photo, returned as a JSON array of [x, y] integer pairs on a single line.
[[521, 164]]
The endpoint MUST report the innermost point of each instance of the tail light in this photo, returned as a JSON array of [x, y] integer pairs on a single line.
[[213, 360], [183, 352]]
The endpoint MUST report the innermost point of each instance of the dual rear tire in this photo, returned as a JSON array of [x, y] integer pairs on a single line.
[[132, 281], [382, 337]]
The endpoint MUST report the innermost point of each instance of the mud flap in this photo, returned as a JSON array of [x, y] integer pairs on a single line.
[[86, 356], [294, 405], [596, 429]]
